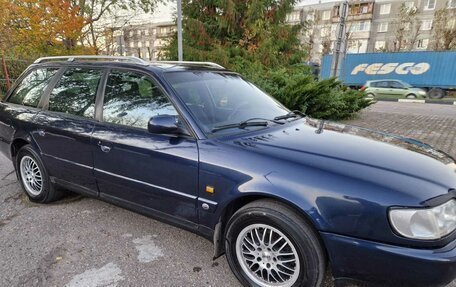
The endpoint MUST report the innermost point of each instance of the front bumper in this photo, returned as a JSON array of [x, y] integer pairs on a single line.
[[390, 265]]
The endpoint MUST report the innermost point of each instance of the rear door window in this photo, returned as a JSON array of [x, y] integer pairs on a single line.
[[31, 88], [396, 85], [383, 84], [131, 99], [76, 91]]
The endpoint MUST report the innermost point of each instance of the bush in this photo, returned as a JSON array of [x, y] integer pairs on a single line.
[[296, 88]]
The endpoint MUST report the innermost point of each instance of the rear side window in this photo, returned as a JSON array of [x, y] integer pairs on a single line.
[[76, 91], [131, 99], [29, 91]]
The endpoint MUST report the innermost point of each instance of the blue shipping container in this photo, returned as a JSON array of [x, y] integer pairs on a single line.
[[420, 69]]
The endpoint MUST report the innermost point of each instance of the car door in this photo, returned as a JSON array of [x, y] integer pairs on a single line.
[[134, 167], [382, 88], [397, 88], [21, 106], [65, 127]]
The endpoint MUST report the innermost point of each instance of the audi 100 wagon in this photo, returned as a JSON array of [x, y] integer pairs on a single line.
[[284, 196]]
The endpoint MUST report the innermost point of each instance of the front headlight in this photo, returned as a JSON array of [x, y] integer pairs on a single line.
[[425, 223]]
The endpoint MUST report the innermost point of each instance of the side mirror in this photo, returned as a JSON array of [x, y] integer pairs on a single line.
[[166, 125]]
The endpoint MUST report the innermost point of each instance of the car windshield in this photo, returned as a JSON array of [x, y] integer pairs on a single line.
[[216, 99]]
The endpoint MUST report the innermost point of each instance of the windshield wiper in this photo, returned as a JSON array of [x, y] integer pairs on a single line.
[[292, 114], [260, 122]]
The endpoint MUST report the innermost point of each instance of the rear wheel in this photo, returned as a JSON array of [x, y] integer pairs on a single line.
[[411, 96], [268, 244], [34, 177], [436, 93]]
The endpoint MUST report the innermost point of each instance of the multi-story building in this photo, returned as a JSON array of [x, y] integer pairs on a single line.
[[372, 25], [142, 40]]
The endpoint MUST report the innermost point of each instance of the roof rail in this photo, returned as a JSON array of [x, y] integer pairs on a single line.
[[129, 59], [215, 65]]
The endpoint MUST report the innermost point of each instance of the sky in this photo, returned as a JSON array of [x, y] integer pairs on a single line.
[[164, 12]]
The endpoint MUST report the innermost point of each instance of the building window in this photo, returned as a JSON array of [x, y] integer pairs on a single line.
[[422, 44], [451, 3], [310, 17], [357, 46], [293, 16], [139, 44], [326, 15], [363, 26], [138, 32], [325, 32], [385, 9], [131, 33], [163, 30], [409, 6], [426, 25], [146, 32], [147, 44], [383, 27], [430, 5], [380, 45]]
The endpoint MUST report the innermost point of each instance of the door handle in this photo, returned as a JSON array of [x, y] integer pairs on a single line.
[[41, 133], [104, 148]]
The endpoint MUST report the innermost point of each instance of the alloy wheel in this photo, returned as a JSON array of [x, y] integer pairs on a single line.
[[267, 256], [31, 175]]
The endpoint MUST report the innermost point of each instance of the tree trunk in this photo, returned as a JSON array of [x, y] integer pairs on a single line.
[[5, 72]]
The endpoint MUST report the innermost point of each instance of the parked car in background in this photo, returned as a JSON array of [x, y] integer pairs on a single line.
[[394, 88], [192, 144]]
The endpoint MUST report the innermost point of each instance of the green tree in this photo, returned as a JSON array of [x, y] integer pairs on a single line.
[[254, 31]]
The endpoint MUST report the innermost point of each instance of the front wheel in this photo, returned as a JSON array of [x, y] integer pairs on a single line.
[[268, 244]]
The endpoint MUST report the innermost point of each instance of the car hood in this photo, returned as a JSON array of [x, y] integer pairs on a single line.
[[317, 139]]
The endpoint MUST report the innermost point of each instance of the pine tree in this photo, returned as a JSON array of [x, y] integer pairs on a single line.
[[233, 32]]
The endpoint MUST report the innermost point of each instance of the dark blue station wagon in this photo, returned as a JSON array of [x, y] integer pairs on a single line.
[[283, 195]]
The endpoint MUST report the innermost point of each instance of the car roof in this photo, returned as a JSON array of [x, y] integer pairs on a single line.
[[113, 61], [383, 80]]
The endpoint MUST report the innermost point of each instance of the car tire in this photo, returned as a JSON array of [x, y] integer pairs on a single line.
[[370, 95], [436, 93], [269, 236], [34, 178], [411, 96]]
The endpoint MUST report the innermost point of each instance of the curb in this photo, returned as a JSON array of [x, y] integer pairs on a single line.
[[411, 101], [418, 101]]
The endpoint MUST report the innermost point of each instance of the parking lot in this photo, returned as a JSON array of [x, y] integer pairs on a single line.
[[86, 242]]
